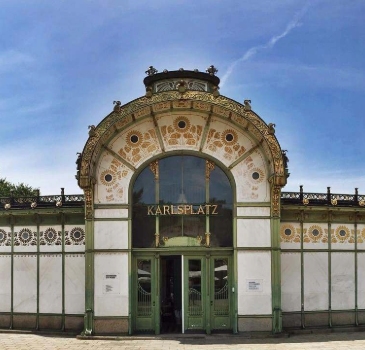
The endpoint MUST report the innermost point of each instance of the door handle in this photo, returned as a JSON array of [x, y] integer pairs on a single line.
[[211, 303]]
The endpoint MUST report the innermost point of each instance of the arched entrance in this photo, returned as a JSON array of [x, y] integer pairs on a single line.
[[182, 243]]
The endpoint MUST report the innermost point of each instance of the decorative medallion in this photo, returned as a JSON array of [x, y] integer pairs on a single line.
[[342, 235], [75, 237], [257, 175], [50, 237], [108, 177], [134, 138], [229, 137], [361, 236], [289, 234], [25, 237], [315, 233], [181, 124]]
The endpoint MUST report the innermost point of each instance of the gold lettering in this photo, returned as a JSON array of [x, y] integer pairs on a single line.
[[158, 210], [180, 209], [150, 210], [200, 210], [214, 212], [166, 209], [207, 207], [172, 210], [187, 208]]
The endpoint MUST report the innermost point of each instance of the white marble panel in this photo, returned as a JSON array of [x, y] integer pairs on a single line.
[[253, 233], [111, 213], [111, 301], [310, 238], [361, 280], [50, 283], [5, 239], [342, 281], [55, 246], [315, 281], [111, 235], [74, 284], [5, 283], [25, 283], [347, 241], [290, 236], [74, 247], [30, 246], [254, 266], [290, 282], [253, 211]]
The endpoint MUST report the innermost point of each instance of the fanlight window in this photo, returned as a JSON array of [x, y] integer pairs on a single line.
[[182, 196]]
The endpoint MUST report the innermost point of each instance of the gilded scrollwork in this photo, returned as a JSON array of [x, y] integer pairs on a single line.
[[94, 144]]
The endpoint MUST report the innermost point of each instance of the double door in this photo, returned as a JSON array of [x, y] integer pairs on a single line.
[[182, 293]]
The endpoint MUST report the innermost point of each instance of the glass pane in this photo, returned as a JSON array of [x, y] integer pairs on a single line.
[[221, 301], [195, 298], [220, 193], [144, 300]]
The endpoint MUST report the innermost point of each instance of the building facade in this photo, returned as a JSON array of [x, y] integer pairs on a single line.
[[183, 227]]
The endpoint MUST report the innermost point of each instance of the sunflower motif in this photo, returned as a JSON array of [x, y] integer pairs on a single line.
[[25, 235], [107, 177], [257, 175], [287, 233], [315, 233], [134, 138], [50, 235], [229, 137], [181, 124], [342, 233], [77, 235]]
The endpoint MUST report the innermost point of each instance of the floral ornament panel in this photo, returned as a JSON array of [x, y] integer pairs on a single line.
[[289, 234], [76, 236], [343, 234], [25, 237], [136, 144], [361, 236], [252, 183], [50, 237], [5, 238], [315, 234], [181, 131], [113, 178]]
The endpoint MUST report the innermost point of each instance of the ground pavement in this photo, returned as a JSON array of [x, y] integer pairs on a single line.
[[43, 341]]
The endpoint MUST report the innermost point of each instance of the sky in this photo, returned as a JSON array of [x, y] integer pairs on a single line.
[[301, 63]]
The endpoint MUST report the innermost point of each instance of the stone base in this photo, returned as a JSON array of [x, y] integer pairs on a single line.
[[254, 324], [50, 323], [292, 320], [5, 321], [111, 326], [74, 323], [24, 321]]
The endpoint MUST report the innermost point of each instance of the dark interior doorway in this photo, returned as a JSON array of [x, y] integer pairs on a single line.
[[171, 294]]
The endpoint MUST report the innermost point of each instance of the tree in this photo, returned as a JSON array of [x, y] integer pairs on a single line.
[[8, 189]]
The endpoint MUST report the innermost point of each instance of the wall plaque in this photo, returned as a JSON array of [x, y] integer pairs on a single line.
[[254, 285], [111, 283]]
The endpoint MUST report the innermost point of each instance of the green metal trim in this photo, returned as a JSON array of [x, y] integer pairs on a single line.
[[38, 272], [254, 217], [253, 204], [110, 219], [63, 327], [302, 314], [11, 219], [329, 272], [111, 206], [356, 273]]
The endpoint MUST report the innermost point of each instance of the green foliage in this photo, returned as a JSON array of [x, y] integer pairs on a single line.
[[20, 190]]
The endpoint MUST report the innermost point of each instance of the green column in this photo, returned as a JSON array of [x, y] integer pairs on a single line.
[[89, 263]]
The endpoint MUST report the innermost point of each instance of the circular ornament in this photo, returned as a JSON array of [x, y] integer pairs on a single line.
[[25, 235], [134, 138], [257, 175], [181, 124], [315, 233], [107, 177], [77, 234], [229, 137], [50, 235], [287, 233], [342, 233]]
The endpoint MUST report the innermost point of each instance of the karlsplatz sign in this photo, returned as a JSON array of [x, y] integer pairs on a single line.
[[186, 209]]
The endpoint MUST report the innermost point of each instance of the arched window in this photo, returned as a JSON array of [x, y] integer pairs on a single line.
[[182, 196]]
